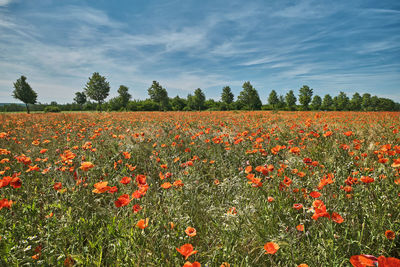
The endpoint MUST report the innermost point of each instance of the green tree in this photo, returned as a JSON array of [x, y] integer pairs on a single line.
[[198, 99], [227, 95], [273, 99], [341, 102], [80, 98], [159, 95], [327, 102], [178, 103], [290, 100], [24, 92], [97, 88], [366, 101], [249, 98], [374, 103], [124, 95], [356, 102], [305, 94], [316, 102]]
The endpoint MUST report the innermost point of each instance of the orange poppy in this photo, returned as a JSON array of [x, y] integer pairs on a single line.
[[136, 208], [337, 218], [297, 206], [125, 180], [85, 166], [300, 227], [190, 231], [5, 203], [166, 185], [186, 250], [16, 182], [101, 187], [194, 264], [143, 223], [271, 248]]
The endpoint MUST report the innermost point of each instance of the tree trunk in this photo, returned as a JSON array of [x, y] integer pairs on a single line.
[[27, 108]]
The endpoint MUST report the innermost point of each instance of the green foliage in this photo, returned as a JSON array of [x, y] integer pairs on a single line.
[[305, 94], [366, 102], [249, 98], [159, 95], [227, 96], [178, 103], [24, 92], [124, 95], [290, 100], [327, 102], [80, 98], [273, 99], [341, 102], [356, 102], [52, 109], [97, 88], [316, 102]]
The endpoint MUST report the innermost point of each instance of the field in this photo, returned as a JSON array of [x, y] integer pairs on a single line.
[[242, 188]]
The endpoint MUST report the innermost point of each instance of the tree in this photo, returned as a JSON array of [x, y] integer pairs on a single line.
[[374, 103], [124, 95], [227, 95], [159, 95], [198, 99], [305, 94], [273, 99], [249, 98], [316, 102], [356, 102], [341, 102], [97, 88], [366, 101], [290, 100], [178, 103], [327, 102], [24, 92], [80, 98]]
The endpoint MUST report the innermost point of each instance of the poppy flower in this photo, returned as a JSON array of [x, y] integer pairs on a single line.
[[190, 231], [123, 200], [390, 234], [194, 264], [143, 223], [315, 194], [125, 180], [16, 182], [141, 179], [101, 187], [388, 262], [136, 208], [363, 260], [337, 218], [126, 155], [186, 250], [178, 183], [300, 227], [297, 206], [270, 199], [166, 185], [367, 179], [302, 265], [271, 248], [85, 166], [5, 203], [57, 186]]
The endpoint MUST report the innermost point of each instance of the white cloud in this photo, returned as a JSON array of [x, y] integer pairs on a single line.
[[5, 2]]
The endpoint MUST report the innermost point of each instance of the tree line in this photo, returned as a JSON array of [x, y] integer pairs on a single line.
[[96, 91]]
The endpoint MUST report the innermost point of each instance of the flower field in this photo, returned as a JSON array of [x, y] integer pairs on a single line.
[[190, 188]]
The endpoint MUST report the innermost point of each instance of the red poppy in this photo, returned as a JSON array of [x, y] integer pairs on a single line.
[[16, 182], [143, 223], [390, 234], [297, 206], [186, 250], [336, 217], [57, 186], [194, 264], [190, 231], [123, 200], [315, 194], [125, 180]]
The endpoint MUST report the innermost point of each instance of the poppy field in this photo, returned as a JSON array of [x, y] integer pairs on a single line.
[[200, 189]]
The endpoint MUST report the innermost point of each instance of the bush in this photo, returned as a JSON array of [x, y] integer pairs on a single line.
[[51, 109]]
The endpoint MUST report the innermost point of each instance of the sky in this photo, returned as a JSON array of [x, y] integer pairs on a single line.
[[331, 46]]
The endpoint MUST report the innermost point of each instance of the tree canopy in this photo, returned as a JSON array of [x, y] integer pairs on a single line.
[[24, 92]]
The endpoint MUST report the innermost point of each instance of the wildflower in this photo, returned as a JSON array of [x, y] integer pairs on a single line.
[[123, 200], [85, 166], [125, 180], [190, 231], [390, 234], [300, 227], [186, 250], [271, 248], [143, 223]]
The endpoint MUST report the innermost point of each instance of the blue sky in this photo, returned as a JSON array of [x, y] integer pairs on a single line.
[[331, 46]]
